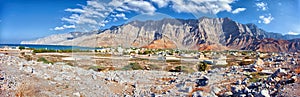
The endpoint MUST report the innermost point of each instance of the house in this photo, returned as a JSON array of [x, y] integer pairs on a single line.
[[161, 57], [220, 60]]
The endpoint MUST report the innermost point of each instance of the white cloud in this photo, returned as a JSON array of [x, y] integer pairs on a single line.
[[95, 12], [95, 4], [76, 10], [64, 27], [121, 15], [262, 6], [238, 10], [204, 6], [292, 33], [141, 6], [266, 19], [161, 3]]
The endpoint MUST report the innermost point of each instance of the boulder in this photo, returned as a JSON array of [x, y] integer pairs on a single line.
[[265, 93], [279, 72], [259, 62], [201, 82]]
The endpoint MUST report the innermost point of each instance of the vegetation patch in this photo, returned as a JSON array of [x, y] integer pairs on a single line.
[[182, 69], [154, 67], [246, 62], [255, 77], [138, 59], [21, 47], [175, 61], [59, 51], [202, 66], [132, 66], [97, 68], [44, 60]]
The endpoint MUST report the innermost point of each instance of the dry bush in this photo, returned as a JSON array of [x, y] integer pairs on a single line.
[[28, 90]]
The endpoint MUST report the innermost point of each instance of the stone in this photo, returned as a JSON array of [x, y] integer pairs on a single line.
[[226, 94], [267, 72], [190, 89], [28, 69], [279, 72], [245, 81], [201, 82], [234, 89], [294, 78], [77, 78], [246, 90], [77, 94], [238, 82], [259, 62], [198, 94], [58, 78], [265, 93], [46, 76], [242, 95], [216, 90], [94, 77], [1, 78]]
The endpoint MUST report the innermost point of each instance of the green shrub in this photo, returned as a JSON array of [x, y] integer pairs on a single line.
[[21, 47], [147, 52], [154, 67], [202, 66], [42, 51], [132, 66], [59, 51], [44, 60], [97, 68], [28, 57], [175, 61], [246, 62], [255, 77], [182, 69]]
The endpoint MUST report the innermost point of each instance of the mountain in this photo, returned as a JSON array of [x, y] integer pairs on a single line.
[[63, 39], [198, 34]]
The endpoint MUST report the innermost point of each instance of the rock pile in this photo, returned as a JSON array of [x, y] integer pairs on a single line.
[[64, 80]]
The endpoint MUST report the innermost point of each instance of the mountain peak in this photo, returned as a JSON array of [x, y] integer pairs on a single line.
[[178, 33]]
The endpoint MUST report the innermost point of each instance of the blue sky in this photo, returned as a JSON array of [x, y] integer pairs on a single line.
[[32, 19]]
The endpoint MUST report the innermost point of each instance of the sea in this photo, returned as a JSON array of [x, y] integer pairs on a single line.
[[49, 47]]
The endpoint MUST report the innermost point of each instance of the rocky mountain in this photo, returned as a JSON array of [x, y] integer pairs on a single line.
[[201, 34], [60, 39]]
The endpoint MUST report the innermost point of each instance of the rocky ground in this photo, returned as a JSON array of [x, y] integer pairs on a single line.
[[30, 78]]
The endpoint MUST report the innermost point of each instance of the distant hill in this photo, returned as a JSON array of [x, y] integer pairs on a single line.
[[198, 34]]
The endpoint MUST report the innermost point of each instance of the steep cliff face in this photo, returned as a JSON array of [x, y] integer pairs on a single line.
[[185, 34], [273, 45], [209, 33], [269, 45], [294, 45]]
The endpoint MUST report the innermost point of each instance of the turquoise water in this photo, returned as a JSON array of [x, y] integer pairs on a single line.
[[52, 47]]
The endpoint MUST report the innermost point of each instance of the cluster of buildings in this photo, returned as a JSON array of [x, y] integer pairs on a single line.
[[210, 58]]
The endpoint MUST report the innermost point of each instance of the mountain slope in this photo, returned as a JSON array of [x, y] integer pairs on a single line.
[[197, 34]]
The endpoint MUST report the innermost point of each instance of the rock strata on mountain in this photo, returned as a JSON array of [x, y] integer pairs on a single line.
[[209, 33]]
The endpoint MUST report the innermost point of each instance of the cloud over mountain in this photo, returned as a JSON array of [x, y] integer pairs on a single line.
[[98, 13]]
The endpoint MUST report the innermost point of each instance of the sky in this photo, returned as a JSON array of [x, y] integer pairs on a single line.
[[31, 19]]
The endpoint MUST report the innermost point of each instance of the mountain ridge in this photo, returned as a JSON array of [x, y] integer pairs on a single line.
[[178, 33]]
